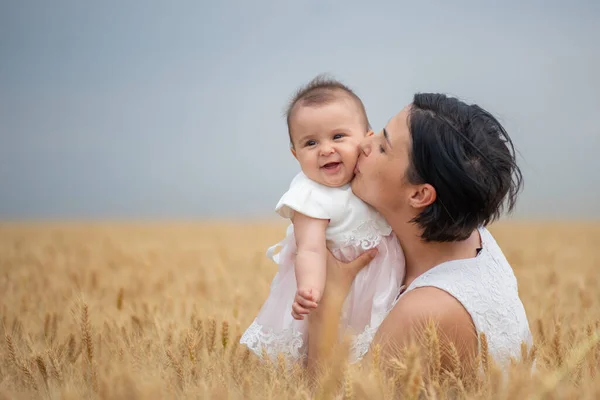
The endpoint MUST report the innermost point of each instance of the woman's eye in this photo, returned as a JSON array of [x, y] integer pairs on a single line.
[[310, 143], [338, 136], [381, 149]]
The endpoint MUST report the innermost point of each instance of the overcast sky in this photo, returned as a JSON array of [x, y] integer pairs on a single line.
[[125, 109]]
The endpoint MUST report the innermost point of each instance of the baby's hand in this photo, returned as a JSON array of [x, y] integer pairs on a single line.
[[305, 300]]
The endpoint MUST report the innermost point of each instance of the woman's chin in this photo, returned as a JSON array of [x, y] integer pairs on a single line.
[[356, 186], [359, 189]]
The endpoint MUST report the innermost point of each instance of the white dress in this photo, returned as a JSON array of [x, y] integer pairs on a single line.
[[354, 227], [487, 288]]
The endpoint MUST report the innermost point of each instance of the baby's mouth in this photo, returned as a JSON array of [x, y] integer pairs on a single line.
[[331, 165]]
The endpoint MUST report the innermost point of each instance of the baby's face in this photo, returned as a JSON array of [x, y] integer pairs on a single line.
[[326, 141]]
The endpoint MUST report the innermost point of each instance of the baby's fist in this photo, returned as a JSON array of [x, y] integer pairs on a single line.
[[305, 300]]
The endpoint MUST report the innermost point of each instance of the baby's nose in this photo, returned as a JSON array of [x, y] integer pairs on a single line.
[[327, 149]]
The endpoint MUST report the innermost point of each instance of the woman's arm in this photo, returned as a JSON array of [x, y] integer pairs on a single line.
[[323, 322]]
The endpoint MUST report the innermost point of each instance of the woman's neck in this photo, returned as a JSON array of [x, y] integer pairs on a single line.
[[422, 256]]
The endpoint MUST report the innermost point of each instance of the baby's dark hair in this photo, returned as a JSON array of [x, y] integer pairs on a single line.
[[320, 91]]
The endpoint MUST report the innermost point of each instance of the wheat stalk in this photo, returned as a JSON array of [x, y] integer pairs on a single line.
[[485, 355], [12, 353], [541, 331], [191, 346], [433, 352], [177, 367], [120, 296], [348, 385], [29, 379], [557, 345], [86, 334], [559, 374], [211, 335], [56, 371], [225, 334], [47, 326], [39, 360]]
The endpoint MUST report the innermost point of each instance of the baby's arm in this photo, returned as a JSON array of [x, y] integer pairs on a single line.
[[311, 260]]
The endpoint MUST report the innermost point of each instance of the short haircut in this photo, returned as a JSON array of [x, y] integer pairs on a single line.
[[320, 91], [468, 157]]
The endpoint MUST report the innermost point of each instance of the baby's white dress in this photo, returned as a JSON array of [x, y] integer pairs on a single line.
[[354, 227]]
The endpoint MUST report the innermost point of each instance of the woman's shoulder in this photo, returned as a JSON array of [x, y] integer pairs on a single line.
[[417, 308], [486, 287]]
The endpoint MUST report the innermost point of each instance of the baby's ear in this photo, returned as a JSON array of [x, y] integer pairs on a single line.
[[293, 151], [370, 133]]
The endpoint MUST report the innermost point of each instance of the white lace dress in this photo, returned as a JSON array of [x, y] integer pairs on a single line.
[[353, 228], [487, 288]]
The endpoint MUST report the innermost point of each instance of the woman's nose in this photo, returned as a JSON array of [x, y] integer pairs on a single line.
[[365, 145]]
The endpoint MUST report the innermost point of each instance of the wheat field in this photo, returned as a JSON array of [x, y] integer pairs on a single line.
[[155, 311]]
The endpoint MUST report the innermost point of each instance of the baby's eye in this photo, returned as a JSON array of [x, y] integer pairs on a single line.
[[310, 143], [338, 136]]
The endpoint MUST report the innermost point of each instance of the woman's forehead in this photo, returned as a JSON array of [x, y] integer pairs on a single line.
[[397, 129]]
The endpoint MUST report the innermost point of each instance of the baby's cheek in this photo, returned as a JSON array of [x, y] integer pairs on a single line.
[[356, 151]]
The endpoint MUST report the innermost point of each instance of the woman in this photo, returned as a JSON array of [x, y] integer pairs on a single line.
[[439, 172]]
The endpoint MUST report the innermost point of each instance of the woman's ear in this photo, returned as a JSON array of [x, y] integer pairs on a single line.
[[370, 133], [423, 196]]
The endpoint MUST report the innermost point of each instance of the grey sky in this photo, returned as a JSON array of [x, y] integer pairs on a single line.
[[124, 109]]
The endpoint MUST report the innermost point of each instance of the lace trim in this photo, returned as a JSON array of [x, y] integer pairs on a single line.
[[259, 339], [290, 343], [362, 342], [367, 236]]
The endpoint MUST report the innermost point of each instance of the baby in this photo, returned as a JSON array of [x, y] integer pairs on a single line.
[[326, 123]]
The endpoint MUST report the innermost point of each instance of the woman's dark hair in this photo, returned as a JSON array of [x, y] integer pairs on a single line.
[[467, 156]]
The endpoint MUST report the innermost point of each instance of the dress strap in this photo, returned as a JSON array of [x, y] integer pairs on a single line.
[[271, 252]]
